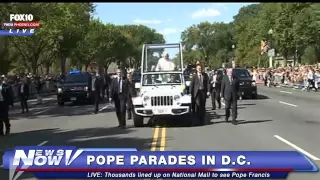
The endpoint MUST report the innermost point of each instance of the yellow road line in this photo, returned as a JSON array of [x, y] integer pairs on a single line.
[[159, 134], [155, 139], [163, 140]]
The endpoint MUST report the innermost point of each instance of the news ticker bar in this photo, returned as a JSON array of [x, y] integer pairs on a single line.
[[162, 175], [21, 24], [17, 32], [70, 159]]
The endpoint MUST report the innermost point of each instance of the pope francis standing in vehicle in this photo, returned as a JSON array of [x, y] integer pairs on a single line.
[[164, 63]]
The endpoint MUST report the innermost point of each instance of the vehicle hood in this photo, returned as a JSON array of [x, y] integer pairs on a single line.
[[161, 90], [74, 84], [245, 78]]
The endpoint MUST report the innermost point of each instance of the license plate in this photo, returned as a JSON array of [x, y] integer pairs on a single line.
[[73, 99], [161, 111]]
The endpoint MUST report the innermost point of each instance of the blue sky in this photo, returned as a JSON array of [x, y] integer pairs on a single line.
[[170, 19]]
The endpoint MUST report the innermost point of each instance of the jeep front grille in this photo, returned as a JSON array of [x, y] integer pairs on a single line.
[[162, 101]]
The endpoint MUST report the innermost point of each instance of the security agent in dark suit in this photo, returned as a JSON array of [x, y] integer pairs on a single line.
[[119, 92], [96, 90], [24, 95], [107, 86], [132, 93], [199, 88], [6, 99], [230, 91], [215, 89]]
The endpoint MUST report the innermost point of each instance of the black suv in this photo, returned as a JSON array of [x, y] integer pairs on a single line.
[[75, 86], [248, 87]]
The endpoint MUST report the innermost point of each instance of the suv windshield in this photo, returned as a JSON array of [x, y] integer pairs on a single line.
[[162, 79], [81, 77], [241, 73]]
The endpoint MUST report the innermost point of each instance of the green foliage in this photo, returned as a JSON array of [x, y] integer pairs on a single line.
[[68, 31], [295, 28]]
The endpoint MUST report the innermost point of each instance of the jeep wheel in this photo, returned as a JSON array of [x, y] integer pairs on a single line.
[[189, 119], [137, 120]]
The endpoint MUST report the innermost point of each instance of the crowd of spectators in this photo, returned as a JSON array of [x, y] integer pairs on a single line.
[[38, 84], [296, 77]]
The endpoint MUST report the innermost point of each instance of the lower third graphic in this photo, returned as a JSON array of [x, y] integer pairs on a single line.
[[17, 32]]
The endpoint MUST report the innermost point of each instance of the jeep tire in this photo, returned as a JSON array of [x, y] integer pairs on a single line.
[[137, 120], [60, 103]]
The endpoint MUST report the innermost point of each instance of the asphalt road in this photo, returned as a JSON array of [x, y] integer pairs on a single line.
[[280, 119]]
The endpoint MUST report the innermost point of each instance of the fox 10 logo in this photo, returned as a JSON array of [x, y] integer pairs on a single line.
[[21, 17], [23, 159]]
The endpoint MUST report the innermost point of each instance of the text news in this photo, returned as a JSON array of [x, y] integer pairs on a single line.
[[63, 162]]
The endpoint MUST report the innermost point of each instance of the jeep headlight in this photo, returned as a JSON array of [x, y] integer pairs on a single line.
[[176, 97], [86, 88], [59, 90], [146, 98], [253, 83]]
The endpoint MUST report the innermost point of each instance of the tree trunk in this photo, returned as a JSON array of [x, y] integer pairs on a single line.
[[86, 67], [34, 66], [285, 57], [47, 68], [63, 59]]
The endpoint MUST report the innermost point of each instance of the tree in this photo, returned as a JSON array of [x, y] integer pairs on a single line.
[[207, 39], [31, 48], [72, 26], [139, 35]]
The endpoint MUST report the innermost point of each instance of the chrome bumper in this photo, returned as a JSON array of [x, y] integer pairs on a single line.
[[162, 111]]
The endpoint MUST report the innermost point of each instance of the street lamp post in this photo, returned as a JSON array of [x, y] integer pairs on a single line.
[[270, 32], [233, 56], [296, 57]]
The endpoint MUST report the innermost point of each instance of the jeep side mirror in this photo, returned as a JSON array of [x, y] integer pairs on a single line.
[[137, 85], [187, 83]]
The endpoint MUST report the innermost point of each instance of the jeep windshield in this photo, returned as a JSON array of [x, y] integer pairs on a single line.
[[162, 79], [162, 58]]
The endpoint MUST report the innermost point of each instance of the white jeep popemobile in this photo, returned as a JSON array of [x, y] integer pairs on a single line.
[[162, 89]]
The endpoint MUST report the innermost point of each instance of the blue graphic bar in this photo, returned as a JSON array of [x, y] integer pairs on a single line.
[[17, 32], [67, 159], [162, 175]]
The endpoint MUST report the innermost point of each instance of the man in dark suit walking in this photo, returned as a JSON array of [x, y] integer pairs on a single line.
[[107, 85], [119, 94], [230, 91], [131, 94], [215, 87], [6, 99], [24, 95], [96, 90], [199, 88]]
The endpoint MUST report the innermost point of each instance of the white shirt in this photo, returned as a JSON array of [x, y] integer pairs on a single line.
[[310, 75], [120, 85], [230, 79], [214, 80], [93, 84], [165, 65], [200, 76], [1, 97], [22, 88], [317, 76]]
